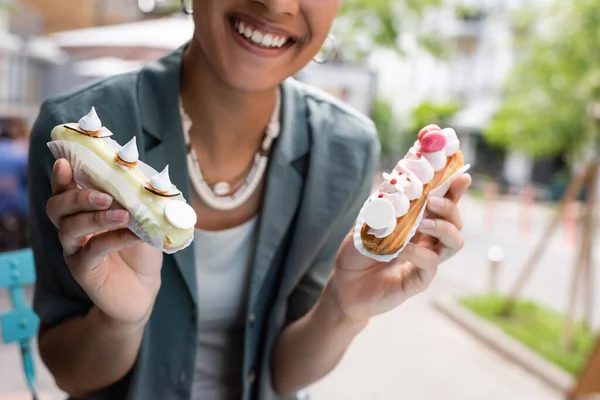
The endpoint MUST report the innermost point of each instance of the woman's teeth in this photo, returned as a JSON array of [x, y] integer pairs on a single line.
[[263, 39]]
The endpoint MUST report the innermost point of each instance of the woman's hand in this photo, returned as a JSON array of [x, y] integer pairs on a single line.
[[119, 272], [363, 288]]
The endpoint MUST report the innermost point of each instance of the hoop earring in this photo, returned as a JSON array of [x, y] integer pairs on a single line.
[[185, 9], [332, 51]]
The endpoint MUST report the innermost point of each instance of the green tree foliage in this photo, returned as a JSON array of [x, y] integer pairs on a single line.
[[424, 114], [430, 113], [387, 126], [6, 5], [394, 136], [366, 24], [545, 109]]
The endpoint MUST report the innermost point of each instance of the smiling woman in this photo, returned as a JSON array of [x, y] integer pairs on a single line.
[[272, 291], [278, 38]]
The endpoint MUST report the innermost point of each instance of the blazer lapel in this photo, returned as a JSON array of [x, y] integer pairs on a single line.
[[284, 186], [158, 96]]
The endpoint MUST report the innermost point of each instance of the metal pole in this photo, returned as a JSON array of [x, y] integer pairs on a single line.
[[495, 256]]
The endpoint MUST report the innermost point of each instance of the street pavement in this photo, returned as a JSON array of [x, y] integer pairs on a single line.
[[414, 352], [551, 281]]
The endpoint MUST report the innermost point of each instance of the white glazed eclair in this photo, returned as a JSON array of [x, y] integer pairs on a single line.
[[160, 215]]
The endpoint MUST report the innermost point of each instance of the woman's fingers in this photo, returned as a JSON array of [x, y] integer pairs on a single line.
[[421, 257], [79, 213], [459, 187], [100, 246], [446, 232], [446, 209], [62, 177], [74, 229], [76, 201]]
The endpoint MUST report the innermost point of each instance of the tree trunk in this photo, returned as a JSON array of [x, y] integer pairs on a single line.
[[577, 278], [575, 187], [588, 383], [590, 227], [582, 276]]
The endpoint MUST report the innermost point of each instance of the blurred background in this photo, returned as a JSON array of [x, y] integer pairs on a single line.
[[514, 315]]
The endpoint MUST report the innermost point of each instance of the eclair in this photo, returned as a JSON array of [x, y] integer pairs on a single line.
[[160, 216], [390, 216]]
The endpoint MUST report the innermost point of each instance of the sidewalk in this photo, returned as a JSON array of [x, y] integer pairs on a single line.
[[416, 353]]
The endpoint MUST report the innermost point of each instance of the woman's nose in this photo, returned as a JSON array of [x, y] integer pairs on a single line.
[[275, 7]]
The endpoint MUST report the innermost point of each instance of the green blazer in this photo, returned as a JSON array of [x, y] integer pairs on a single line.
[[319, 176]]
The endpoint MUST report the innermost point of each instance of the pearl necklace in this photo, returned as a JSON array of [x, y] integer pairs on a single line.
[[217, 196]]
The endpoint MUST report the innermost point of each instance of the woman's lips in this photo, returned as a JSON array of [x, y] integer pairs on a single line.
[[258, 40], [259, 36]]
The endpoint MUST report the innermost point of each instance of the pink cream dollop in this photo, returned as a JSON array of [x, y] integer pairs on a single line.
[[432, 144], [419, 165]]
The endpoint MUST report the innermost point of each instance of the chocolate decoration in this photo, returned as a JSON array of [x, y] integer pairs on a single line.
[[149, 188], [100, 136]]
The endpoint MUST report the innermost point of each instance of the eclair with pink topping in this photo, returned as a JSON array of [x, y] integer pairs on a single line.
[[389, 218]]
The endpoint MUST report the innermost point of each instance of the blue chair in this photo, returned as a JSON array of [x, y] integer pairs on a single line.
[[20, 325]]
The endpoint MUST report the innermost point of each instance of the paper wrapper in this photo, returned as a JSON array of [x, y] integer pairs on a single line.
[[440, 191], [89, 171]]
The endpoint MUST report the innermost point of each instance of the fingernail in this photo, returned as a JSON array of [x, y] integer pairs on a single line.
[[435, 203], [117, 215], [100, 199], [427, 224]]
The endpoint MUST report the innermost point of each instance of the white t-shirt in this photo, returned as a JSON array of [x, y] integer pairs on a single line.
[[223, 261]]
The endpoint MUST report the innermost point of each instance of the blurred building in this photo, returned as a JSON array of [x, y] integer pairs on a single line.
[[35, 65], [481, 34], [28, 62], [78, 14], [101, 51]]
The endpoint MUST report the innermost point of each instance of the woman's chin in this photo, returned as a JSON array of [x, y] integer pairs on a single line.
[[253, 81]]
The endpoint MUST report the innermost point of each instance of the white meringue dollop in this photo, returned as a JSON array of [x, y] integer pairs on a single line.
[[385, 232], [161, 181], [452, 142], [180, 214], [90, 122], [420, 167], [437, 159], [129, 153], [379, 216]]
